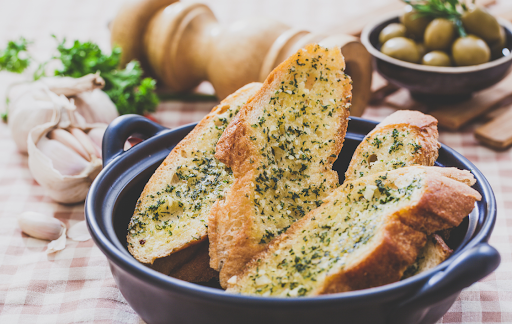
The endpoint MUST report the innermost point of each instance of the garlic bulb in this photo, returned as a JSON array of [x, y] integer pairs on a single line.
[[33, 104], [57, 167], [40, 226]]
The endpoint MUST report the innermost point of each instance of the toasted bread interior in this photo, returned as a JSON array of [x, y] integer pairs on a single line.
[[172, 211], [366, 234], [281, 148]]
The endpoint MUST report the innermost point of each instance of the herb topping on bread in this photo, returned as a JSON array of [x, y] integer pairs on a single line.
[[365, 234], [171, 213], [402, 139], [281, 147]]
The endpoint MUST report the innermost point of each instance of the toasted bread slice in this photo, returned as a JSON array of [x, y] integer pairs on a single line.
[[365, 234], [281, 147], [171, 213], [404, 138], [432, 254]]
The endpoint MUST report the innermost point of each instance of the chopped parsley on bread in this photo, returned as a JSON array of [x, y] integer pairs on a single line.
[[281, 147], [365, 234], [171, 213], [402, 139]]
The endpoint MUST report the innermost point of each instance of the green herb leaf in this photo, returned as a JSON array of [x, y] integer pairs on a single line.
[[15, 57], [448, 9], [126, 88]]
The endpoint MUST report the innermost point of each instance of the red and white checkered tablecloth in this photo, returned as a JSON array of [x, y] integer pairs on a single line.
[[75, 285]]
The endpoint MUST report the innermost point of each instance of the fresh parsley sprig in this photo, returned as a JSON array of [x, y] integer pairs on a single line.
[[15, 57], [448, 9], [126, 88]]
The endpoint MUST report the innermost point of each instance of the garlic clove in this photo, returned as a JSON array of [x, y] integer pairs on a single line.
[[96, 134], [79, 232], [41, 226], [64, 160], [58, 244], [70, 141], [84, 140]]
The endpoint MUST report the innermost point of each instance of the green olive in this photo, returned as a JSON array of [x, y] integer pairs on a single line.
[[470, 50], [391, 31], [479, 22], [498, 46], [439, 34], [437, 58], [402, 48], [414, 23]]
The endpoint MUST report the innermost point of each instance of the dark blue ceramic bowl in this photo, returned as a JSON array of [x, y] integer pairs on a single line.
[[161, 299]]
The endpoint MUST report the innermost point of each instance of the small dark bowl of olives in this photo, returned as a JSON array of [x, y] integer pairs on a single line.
[[429, 57]]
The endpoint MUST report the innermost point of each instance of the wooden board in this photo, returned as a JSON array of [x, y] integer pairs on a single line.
[[456, 115], [498, 132]]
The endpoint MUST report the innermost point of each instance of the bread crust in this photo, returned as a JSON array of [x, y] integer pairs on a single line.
[[398, 241], [232, 242], [162, 177]]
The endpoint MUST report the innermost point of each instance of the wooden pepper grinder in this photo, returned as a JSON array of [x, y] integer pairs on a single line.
[[184, 44]]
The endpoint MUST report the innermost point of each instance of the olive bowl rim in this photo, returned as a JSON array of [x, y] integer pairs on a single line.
[[368, 29]]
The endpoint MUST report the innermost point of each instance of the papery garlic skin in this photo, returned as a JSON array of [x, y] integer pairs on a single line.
[[69, 86], [63, 159], [40, 226], [79, 232], [57, 245], [26, 113]]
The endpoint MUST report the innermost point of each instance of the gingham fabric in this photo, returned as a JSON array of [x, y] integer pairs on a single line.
[[75, 285]]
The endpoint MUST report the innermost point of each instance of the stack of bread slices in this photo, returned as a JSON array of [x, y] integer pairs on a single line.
[[250, 194]]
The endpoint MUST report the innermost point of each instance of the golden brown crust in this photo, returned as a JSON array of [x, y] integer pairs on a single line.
[[162, 177], [398, 248], [232, 242]]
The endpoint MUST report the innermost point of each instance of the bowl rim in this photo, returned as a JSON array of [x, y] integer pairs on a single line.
[[368, 29], [129, 264]]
